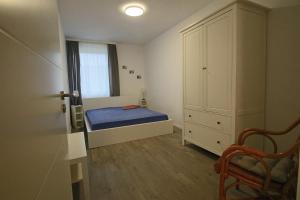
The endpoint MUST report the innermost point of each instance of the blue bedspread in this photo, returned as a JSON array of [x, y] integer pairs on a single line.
[[115, 117]]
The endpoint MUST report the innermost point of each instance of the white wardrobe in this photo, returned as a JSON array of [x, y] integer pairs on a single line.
[[224, 76]]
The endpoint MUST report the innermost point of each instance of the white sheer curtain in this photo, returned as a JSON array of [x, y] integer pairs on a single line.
[[94, 70]]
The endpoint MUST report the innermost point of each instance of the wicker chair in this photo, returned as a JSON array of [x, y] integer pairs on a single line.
[[270, 175]]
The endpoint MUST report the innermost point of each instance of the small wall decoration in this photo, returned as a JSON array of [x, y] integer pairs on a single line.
[[131, 71]]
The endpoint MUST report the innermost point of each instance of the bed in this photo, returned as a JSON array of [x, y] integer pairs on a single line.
[[112, 117], [111, 125]]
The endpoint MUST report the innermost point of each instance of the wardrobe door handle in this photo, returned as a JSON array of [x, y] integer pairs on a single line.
[[190, 115], [204, 68], [190, 131], [218, 142], [218, 122]]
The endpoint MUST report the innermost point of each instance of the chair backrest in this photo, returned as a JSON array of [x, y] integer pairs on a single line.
[[268, 134]]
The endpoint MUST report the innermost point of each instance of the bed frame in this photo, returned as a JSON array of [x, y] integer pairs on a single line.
[[103, 137]]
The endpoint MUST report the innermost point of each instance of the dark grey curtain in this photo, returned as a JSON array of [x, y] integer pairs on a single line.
[[113, 70], [74, 71]]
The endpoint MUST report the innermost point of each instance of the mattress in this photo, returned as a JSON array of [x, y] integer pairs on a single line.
[[111, 117]]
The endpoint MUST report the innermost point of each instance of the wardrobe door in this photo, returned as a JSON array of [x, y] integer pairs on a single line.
[[219, 61], [193, 63]]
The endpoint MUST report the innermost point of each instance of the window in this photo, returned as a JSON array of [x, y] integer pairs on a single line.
[[94, 70]]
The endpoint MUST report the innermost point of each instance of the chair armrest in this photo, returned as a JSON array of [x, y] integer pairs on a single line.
[[223, 163], [236, 147], [233, 148], [251, 132], [255, 131], [236, 150], [294, 150]]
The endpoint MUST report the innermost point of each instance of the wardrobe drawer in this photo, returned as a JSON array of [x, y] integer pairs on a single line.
[[207, 138], [212, 120]]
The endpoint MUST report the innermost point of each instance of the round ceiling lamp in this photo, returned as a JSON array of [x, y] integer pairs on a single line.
[[134, 10]]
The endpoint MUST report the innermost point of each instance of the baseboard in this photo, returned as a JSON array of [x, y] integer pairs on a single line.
[[177, 129], [178, 125]]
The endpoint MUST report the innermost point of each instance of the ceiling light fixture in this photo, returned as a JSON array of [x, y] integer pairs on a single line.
[[134, 10]]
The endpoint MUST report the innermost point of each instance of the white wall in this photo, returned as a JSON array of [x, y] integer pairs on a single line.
[[283, 77], [131, 56], [164, 75]]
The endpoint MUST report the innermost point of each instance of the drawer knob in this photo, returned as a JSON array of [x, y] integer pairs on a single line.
[[190, 115], [190, 131], [218, 122], [218, 142]]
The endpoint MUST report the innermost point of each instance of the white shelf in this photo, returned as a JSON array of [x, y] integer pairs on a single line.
[[77, 116], [77, 157], [76, 146]]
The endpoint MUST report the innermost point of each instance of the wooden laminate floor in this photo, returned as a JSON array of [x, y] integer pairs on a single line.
[[157, 168]]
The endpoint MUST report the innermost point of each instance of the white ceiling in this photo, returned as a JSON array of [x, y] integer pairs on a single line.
[[103, 20], [277, 3]]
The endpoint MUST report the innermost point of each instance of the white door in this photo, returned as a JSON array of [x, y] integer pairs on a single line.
[[219, 64], [193, 73], [33, 141]]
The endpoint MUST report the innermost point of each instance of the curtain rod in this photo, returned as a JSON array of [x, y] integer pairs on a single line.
[[89, 41]]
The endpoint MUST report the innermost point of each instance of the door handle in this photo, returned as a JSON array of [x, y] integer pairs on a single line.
[[204, 68], [62, 94]]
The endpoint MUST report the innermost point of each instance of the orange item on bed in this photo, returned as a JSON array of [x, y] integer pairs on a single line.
[[130, 107]]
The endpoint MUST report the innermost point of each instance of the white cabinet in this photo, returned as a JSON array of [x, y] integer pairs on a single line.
[[224, 76], [194, 62], [219, 62], [207, 138]]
